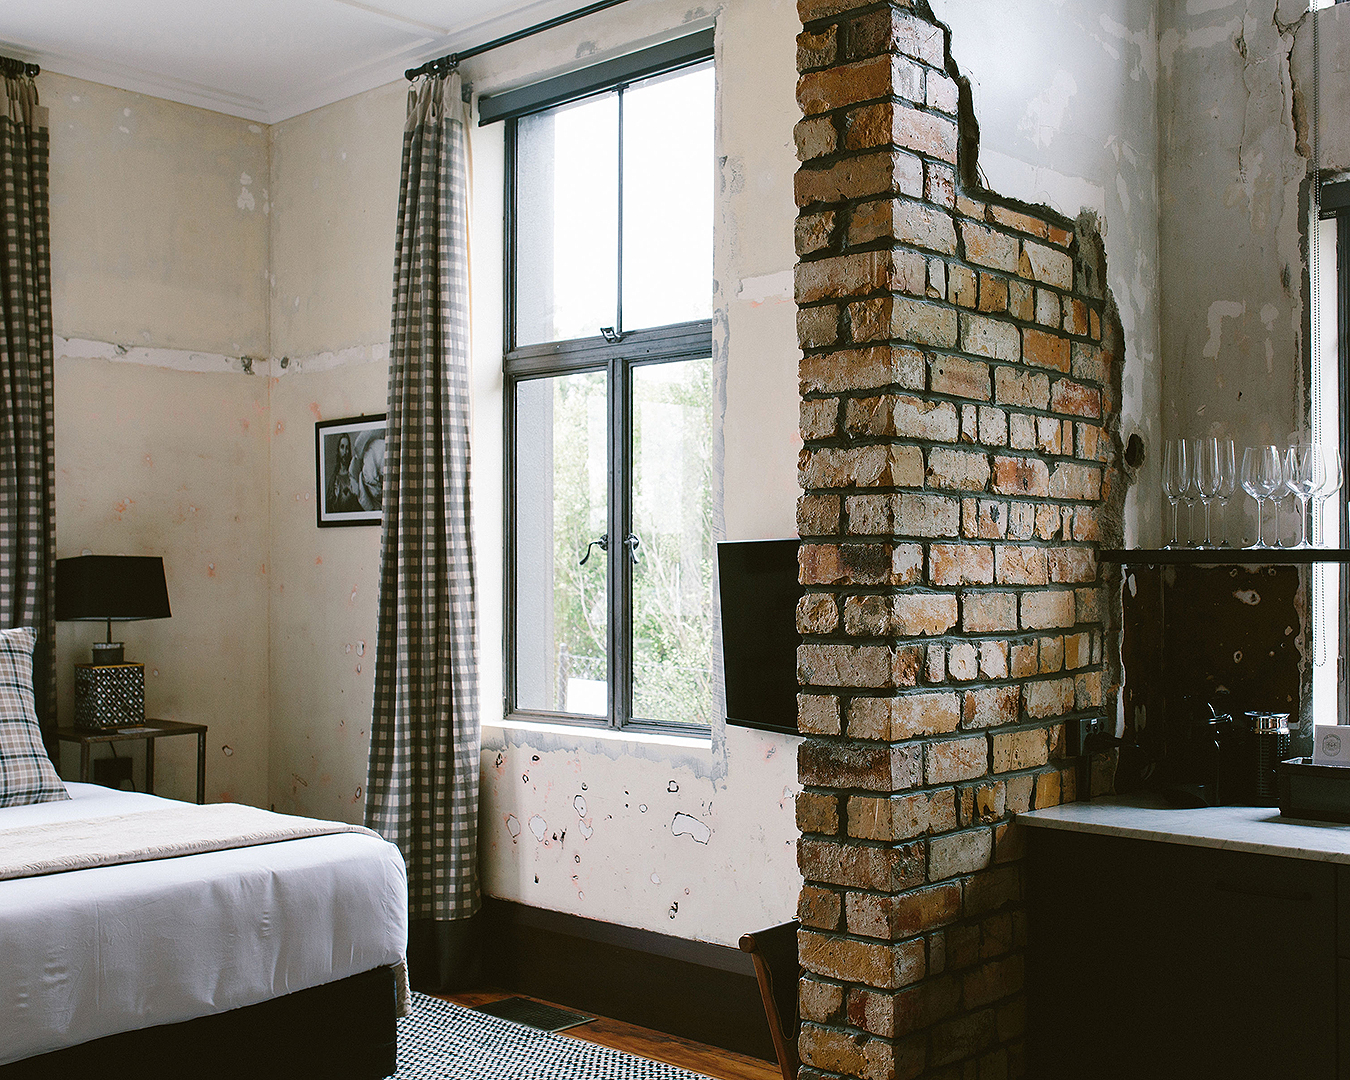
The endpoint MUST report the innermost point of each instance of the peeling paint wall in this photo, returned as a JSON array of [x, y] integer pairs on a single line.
[[159, 251], [1065, 92], [1230, 220]]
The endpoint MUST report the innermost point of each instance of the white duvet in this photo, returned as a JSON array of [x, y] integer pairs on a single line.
[[90, 953]]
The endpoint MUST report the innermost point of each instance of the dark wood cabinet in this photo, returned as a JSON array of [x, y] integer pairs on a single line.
[[1161, 960]]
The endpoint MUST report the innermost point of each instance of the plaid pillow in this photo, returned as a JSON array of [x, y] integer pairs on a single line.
[[26, 773]]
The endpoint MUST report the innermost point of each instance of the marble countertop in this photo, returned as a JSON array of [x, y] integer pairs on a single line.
[[1258, 829]]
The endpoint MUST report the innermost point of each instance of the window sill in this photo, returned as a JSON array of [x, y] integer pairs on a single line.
[[603, 734]]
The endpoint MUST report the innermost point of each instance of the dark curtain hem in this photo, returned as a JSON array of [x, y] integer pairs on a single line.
[[445, 955]]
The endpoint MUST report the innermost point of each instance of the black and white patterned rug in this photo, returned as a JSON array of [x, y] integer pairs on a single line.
[[440, 1041]]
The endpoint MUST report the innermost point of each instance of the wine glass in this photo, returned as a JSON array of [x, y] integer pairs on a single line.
[[1304, 473], [1176, 478], [1262, 476], [1208, 479], [1333, 478], [1191, 495], [1227, 483]]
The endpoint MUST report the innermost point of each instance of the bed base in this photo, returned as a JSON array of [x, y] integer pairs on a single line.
[[341, 1031]]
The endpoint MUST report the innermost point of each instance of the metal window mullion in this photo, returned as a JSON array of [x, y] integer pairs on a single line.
[[620, 518], [618, 277], [1343, 509], [509, 423]]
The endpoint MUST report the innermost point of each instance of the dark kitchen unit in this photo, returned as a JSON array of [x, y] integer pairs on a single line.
[[1186, 944]]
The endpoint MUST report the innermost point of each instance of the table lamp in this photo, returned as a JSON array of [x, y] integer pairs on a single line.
[[110, 588]]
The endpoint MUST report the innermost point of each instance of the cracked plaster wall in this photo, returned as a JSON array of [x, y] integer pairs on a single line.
[[1065, 93], [1233, 171]]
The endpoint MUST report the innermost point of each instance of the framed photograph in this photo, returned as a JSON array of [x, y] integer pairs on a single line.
[[349, 470]]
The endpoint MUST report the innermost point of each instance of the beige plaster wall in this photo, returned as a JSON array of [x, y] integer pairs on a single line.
[[335, 174], [159, 251]]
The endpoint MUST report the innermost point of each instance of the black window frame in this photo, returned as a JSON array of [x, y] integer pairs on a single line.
[[1335, 204], [618, 354]]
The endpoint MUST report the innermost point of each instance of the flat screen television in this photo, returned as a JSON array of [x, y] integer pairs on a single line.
[[760, 591]]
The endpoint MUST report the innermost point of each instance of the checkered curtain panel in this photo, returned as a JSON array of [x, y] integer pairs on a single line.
[[422, 791], [27, 456]]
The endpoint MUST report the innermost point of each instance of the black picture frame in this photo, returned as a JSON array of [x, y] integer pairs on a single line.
[[350, 494]]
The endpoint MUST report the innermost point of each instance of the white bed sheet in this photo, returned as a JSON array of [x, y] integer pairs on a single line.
[[95, 952]]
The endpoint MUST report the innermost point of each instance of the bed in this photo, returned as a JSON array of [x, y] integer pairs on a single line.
[[279, 959]]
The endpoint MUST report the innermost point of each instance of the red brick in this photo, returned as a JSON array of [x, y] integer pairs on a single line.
[[817, 614], [1027, 389], [921, 614], [882, 869], [858, 766], [987, 247], [817, 813], [927, 516], [959, 853], [862, 369], [1043, 610], [960, 564], [1045, 350], [1048, 265], [815, 136], [890, 30], [1021, 476], [817, 49], [1016, 750], [818, 714], [984, 336], [988, 613], [849, 84], [991, 706], [916, 223], [888, 172], [884, 965], [956, 759], [901, 817], [819, 908], [1075, 399]]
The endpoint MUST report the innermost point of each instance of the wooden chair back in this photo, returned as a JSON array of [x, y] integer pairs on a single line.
[[774, 952]]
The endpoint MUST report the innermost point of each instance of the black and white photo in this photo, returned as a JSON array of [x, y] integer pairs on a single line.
[[349, 470]]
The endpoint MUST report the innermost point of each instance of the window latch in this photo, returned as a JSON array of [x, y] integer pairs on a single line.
[[602, 544], [631, 543], [611, 335]]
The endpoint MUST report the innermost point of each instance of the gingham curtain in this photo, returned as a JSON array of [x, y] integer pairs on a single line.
[[422, 789], [27, 457]]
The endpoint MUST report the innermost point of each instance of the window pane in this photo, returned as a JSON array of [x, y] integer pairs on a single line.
[[668, 199], [561, 505], [567, 224], [672, 518]]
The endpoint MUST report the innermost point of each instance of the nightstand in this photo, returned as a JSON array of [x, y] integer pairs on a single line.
[[149, 730]]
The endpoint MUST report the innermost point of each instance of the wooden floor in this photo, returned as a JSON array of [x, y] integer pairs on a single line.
[[708, 1060]]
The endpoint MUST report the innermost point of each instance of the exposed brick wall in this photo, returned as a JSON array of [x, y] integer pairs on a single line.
[[957, 415]]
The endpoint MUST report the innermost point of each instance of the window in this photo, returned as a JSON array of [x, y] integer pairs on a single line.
[[609, 398], [1331, 424]]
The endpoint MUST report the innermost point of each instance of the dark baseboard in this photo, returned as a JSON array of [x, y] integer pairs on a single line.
[[692, 989]]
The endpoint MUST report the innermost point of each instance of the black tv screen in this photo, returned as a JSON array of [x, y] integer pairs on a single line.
[[760, 591]]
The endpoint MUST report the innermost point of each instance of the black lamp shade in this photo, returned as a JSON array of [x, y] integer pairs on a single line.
[[117, 588]]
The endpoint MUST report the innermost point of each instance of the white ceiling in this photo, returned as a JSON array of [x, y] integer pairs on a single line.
[[263, 60]]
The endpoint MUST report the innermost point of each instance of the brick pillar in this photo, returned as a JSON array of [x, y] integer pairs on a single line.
[[954, 389]]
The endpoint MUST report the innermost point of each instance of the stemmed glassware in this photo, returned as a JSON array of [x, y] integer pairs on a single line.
[[1208, 480], [1176, 478], [1304, 475], [1227, 482], [1262, 477], [1191, 495], [1334, 477]]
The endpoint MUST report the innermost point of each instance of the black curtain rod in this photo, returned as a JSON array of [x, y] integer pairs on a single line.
[[443, 65], [12, 69]]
